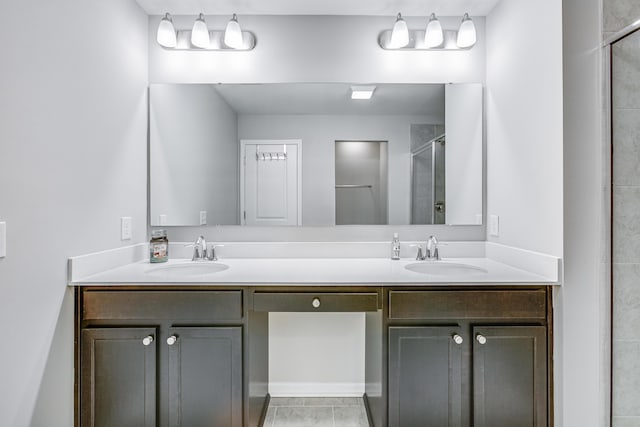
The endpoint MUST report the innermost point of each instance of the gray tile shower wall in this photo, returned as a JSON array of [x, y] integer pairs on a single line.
[[625, 93], [620, 13]]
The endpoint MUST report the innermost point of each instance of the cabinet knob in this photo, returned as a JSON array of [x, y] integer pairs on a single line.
[[457, 339], [172, 340], [147, 340], [481, 339], [315, 303]]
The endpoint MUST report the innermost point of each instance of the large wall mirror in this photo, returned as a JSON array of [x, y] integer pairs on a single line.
[[309, 154]]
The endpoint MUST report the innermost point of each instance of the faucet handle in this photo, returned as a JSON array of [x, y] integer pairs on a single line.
[[419, 255], [211, 251]]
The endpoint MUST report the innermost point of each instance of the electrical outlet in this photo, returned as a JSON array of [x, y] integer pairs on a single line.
[[203, 217], [494, 225], [125, 228], [3, 239]]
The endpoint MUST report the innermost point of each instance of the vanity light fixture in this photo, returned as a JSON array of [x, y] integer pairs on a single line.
[[466, 33], [433, 36], [200, 33], [233, 34], [400, 33], [199, 38], [166, 35], [362, 92]]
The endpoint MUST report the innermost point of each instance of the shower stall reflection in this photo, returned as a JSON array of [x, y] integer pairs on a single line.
[[428, 182], [361, 182]]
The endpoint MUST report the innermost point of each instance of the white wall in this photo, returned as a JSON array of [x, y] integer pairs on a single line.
[[319, 134], [316, 354], [72, 162], [193, 150], [524, 123]]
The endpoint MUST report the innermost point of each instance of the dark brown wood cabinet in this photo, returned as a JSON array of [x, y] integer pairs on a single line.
[[510, 376], [161, 358], [205, 377], [197, 356], [425, 376], [119, 372], [468, 358]]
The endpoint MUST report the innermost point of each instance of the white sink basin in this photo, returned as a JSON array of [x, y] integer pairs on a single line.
[[443, 268], [177, 271]]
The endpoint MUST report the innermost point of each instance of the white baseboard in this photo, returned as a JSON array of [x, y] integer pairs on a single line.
[[316, 389]]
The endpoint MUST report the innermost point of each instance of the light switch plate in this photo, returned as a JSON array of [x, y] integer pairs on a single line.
[[203, 217], [125, 228], [494, 225], [162, 219], [3, 239]]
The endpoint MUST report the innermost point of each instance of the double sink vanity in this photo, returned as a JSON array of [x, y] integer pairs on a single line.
[[465, 340]]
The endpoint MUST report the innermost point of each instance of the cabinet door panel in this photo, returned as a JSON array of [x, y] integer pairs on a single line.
[[118, 378], [425, 377], [510, 376], [205, 377]]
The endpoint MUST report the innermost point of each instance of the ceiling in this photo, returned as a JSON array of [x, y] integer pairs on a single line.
[[319, 7], [333, 98]]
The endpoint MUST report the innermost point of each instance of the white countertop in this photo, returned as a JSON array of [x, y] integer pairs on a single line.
[[313, 271]]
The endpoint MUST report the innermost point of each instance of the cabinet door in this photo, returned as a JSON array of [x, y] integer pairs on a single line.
[[205, 377], [425, 377], [510, 376], [118, 369]]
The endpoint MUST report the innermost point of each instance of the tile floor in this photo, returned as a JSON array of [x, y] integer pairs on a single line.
[[316, 412]]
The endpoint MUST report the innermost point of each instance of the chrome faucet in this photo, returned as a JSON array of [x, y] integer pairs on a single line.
[[432, 249], [431, 252], [203, 251], [199, 249]]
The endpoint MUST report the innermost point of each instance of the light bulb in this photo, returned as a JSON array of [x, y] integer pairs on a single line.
[[166, 32], [400, 34], [200, 33], [433, 36], [233, 34], [466, 33]]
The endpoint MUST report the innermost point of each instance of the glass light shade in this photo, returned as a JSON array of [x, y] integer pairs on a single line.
[[200, 33], [433, 36], [466, 33], [233, 34], [166, 35], [400, 34]]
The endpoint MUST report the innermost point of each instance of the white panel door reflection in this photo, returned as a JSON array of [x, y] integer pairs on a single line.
[[271, 182]]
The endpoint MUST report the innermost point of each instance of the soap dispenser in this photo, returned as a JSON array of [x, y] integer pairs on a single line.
[[395, 247]]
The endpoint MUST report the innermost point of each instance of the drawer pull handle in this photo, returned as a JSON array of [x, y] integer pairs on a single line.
[[481, 339], [172, 340], [147, 340], [457, 339], [316, 303]]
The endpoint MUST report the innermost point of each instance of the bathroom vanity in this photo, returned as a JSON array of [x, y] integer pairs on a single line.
[[194, 352]]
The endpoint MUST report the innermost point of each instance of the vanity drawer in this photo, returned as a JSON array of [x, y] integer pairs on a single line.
[[461, 304], [318, 301], [171, 305]]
